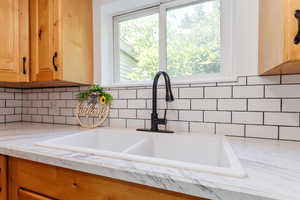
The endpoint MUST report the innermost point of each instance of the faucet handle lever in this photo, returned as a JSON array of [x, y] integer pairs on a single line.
[[165, 114]]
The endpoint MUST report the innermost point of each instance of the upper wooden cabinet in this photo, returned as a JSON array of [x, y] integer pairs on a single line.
[[58, 36], [14, 38], [279, 52], [61, 40]]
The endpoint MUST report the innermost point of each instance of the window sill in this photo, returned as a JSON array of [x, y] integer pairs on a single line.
[[174, 82]]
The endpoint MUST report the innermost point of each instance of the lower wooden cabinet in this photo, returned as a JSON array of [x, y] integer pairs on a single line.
[[28, 195], [35, 181], [3, 177]]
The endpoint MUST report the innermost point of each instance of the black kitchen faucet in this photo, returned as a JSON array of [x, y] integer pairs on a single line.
[[155, 121]]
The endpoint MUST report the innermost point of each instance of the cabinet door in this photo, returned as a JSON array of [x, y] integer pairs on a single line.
[[14, 38], [27, 195], [292, 28], [44, 40], [3, 178]]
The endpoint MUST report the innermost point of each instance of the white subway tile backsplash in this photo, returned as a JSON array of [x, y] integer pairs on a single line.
[[71, 121], [202, 128], [204, 104], [117, 123], [33, 96], [144, 93], [191, 115], [13, 118], [67, 111], [114, 93], [7, 111], [36, 103], [284, 119], [171, 114], [2, 103], [42, 111], [289, 133], [127, 94], [6, 95], [47, 119], [60, 120], [218, 92], [135, 123], [61, 103], [189, 93], [217, 116], [54, 95], [178, 126], [247, 117], [127, 113], [248, 91], [240, 81], [264, 104], [263, 80], [2, 119], [43, 96], [114, 113], [18, 96], [256, 106], [26, 118], [282, 91], [136, 104], [270, 132], [144, 114], [180, 104], [119, 104], [54, 111], [291, 105], [161, 104], [232, 104], [66, 95], [230, 129], [291, 79], [36, 118]]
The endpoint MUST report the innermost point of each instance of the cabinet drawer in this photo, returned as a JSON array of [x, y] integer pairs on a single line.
[[64, 184], [28, 195]]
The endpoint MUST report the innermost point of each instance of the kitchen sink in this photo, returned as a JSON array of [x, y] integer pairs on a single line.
[[203, 153]]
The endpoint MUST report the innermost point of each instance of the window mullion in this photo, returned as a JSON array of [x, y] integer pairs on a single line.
[[116, 53], [163, 38]]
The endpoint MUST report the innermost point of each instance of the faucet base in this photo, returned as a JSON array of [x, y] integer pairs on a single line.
[[158, 131]]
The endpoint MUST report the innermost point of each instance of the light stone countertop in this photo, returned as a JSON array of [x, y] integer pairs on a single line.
[[273, 167]]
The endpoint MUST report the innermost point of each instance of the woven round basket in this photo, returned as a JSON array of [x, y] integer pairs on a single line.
[[91, 115]]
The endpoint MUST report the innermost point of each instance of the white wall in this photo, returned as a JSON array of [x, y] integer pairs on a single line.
[[245, 36]]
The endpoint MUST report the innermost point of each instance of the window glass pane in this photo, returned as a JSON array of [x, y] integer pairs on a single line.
[[193, 39], [139, 48]]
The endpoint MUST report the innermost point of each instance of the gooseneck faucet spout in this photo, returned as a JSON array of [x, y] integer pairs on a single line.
[[155, 120]]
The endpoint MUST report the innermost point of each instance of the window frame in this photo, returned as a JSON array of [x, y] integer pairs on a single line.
[[226, 43]]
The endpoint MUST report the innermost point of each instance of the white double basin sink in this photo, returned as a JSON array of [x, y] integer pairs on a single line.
[[202, 153]]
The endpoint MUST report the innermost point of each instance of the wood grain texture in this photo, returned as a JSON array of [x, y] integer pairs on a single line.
[[14, 37], [28, 195], [76, 35], [43, 40], [278, 27], [3, 178], [64, 184], [63, 27]]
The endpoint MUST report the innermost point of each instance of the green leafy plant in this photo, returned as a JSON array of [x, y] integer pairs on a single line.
[[104, 97]]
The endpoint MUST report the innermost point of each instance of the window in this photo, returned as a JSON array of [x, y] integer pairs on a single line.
[[182, 37]]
